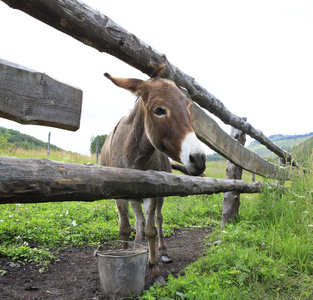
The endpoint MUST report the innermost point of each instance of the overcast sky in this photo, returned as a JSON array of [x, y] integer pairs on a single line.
[[254, 56]]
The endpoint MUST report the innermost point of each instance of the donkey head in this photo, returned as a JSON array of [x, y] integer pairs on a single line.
[[167, 119]]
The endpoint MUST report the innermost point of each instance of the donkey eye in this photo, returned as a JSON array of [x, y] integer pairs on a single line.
[[160, 111]]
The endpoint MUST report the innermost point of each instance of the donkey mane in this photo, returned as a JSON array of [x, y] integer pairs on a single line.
[[158, 71], [132, 114]]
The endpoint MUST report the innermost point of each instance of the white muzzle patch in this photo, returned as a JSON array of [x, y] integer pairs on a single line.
[[192, 154]]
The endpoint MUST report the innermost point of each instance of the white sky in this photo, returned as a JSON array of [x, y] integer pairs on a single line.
[[254, 56]]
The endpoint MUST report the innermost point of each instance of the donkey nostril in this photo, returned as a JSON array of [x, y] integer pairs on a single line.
[[197, 163]]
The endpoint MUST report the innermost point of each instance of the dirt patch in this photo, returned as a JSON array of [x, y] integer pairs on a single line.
[[75, 275]]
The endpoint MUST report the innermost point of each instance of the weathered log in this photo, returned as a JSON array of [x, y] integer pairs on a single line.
[[94, 29], [30, 97], [231, 200], [43, 180], [217, 139]]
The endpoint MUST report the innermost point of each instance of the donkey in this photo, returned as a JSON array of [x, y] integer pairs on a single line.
[[158, 127]]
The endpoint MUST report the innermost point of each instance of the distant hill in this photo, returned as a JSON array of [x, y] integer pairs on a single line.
[[214, 157], [19, 140], [286, 142], [281, 137], [290, 143], [304, 150]]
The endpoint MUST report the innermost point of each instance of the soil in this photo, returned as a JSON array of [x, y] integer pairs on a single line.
[[75, 274]]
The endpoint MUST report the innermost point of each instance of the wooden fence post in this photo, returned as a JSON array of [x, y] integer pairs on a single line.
[[48, 145], [253, 177], [97, 149], [231, 200], [281, 162]]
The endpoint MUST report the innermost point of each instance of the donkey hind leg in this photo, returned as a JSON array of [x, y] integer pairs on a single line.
[[151, 235], [140, 220], [124, 229], [159, 221]]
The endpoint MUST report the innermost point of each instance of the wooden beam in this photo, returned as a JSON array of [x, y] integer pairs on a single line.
[[30, 97], [231, 200], [94, 29], [217, 139], [43, 180]]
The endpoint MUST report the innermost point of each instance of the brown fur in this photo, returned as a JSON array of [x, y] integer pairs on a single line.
[[153, 131]]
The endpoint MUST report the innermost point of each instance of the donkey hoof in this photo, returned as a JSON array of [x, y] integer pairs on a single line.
[[159, 280], [166, 259]]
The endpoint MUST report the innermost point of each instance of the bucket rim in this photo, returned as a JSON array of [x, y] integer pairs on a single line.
[[97, 251]]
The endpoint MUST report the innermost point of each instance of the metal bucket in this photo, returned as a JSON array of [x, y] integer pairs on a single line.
[[121, 272]]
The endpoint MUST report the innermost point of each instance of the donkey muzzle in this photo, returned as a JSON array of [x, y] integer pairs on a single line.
[[192, 155]]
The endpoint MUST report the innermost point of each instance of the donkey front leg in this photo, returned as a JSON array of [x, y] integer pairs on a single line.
[[124, 229], [151, 235], [140, 220], [159, 221]]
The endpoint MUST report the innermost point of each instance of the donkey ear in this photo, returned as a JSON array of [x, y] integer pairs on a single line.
[[135, 86], [158, 71]]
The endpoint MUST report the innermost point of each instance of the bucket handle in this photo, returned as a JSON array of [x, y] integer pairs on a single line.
[[120, 241]]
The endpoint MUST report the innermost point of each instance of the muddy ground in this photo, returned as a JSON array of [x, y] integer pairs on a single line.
[[75, 275]]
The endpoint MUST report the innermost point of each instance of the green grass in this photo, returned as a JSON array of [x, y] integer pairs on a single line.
[[35, 232], [58, 155], [267, 254], [50, 226]]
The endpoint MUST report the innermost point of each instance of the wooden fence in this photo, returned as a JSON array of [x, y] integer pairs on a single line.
[[31, 97], [44, 180], [31, 180]]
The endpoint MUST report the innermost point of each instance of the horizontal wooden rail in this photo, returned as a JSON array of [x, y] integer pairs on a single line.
[[41, 180], [217, 139], [30, 97], [94, 29]]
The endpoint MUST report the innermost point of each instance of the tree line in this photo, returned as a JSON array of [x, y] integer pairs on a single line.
[[10, 138], [13, 138], [93, 143]]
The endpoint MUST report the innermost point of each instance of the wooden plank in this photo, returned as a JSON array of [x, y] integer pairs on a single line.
[[231, 200], [101, 33], [30, 97], [217, 139], [43, 180]]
